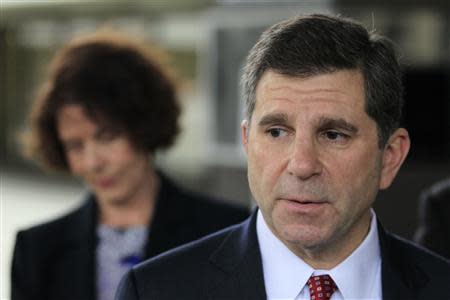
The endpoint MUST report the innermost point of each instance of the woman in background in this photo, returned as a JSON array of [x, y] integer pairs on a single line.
[[104, 110]]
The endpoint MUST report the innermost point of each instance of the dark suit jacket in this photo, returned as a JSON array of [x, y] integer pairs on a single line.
[[434, 218], [56, 260], [227, 265]]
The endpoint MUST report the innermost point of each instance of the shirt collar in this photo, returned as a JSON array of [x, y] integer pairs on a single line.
[[285, 274], [357, 275]]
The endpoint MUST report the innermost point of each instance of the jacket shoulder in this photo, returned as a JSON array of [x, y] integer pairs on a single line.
[[428, 269], [56, 233], [187, 265], [219, 210], [50, 260], [205, 213], [183, 258]]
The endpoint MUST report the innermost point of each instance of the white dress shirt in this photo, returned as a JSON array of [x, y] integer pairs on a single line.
[[358, 277]]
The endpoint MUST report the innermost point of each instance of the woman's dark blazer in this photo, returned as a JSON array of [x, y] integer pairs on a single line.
[[56, 260]]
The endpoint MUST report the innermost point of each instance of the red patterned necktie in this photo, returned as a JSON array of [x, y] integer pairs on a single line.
[[321, 287]]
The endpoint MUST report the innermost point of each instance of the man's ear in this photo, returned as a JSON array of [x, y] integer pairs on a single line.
[[394, 154], [244, 134]]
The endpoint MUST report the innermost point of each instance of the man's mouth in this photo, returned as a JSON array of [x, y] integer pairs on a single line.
[[304, 205], [305, 200]]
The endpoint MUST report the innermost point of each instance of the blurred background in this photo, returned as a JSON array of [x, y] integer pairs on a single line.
[[208, 42]]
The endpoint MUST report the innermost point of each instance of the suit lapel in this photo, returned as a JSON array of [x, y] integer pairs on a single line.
[[77, 260], [89, 233], [401, 278], [236, 265], [172, 221]]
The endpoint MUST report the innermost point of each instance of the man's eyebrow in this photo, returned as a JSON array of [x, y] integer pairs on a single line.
[[275, 118], [330, 123]]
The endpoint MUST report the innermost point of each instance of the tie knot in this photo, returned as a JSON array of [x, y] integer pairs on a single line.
[[321, 287]]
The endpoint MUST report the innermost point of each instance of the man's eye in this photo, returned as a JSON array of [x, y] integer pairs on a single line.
[[335, 135], [277, 132]]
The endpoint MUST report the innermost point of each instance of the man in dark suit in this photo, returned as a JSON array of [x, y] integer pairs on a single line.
[[434, 218], [322, 137], [107, 107]]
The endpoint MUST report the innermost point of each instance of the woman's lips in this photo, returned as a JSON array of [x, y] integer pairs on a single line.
[[105, 183]]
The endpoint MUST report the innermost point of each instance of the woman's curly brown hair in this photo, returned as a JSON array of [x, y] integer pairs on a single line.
[[114, 79]]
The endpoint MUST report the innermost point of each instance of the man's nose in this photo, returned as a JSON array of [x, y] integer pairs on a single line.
[[304, 161]]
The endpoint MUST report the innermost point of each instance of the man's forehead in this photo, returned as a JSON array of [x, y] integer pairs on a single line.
[[344, 88]]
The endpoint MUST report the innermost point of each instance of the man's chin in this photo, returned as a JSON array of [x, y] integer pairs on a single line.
[[303, 236]]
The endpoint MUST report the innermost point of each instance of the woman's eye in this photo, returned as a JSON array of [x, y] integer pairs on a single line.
[[72, 146], [107, 134]]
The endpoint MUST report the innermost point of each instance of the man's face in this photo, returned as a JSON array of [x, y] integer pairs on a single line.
[[102, 156], [314, 163]]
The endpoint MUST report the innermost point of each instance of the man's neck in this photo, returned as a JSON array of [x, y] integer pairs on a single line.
[[329, 256], [137, 210]]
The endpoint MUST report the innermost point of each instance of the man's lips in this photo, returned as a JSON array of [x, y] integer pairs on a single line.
[[304, 200], [304, 205]]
